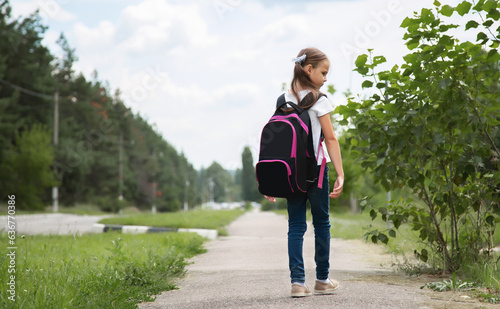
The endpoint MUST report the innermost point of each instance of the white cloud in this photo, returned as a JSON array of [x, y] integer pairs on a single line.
[[49, 10], [154, 22], [99, 38], [287, 28], [210, 82]]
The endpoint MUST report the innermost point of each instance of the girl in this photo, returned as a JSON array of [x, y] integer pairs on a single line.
[[311, 68]]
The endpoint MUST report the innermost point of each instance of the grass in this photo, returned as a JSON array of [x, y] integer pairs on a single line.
[[347, 225], [354, 226], [108, 270], [203, 219]]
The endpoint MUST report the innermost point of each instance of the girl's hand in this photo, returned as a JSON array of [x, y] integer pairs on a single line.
[[337, 187], [270, 198]]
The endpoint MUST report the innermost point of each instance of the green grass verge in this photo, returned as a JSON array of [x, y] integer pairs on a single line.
[[108, 270], [203, 219], [354, 226]]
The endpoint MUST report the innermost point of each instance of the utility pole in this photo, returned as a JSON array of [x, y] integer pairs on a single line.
[[55, 190], [153, 208], [120, 169], [211, 185], [186, 191]]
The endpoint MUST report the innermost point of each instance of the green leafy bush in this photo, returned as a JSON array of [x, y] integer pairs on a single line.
[[433, 125]]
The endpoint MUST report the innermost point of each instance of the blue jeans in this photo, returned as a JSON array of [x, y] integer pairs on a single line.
[[297, 226]]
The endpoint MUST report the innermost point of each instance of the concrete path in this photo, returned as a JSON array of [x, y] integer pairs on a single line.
[[249, 269]]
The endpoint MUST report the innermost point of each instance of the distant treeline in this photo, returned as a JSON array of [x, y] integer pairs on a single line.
[[103, 149]]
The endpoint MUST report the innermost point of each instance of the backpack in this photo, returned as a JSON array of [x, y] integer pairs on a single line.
[[287, 166]]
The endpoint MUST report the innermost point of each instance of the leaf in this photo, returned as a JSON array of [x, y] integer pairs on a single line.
[[413, 43], [493, 56], [482, 36], [383, 238], [367, 84], [489, 5], [406, 22], [382, 210], [331, 89], [437, 3], [373, 214], [423, 234], [490, 220], [463, 8], [378, 60], [479, 6], [471, 24], [361, 60], [495, 14], [410, 58], [488, 23], [396, 222], [447, 10], [407, 72], [364, 143], [426, 16], [392, 233], [424, 255]]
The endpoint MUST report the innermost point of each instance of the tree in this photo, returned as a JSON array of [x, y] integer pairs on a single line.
[[248, 183], [216, 181], [432, 125], [28, 164], [63, 68], [104, 150]]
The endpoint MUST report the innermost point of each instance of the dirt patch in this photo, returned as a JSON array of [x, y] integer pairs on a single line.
[[457, 300], [377, 255]]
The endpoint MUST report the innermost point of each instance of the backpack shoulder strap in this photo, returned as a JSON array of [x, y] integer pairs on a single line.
[[282, 102]]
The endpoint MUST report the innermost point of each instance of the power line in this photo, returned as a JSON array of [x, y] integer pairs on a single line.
[[26, 91]]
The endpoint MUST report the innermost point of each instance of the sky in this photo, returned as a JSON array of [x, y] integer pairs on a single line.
[[206, 74]]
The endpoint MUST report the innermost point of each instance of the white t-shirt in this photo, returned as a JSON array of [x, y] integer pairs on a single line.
[[322, 107]]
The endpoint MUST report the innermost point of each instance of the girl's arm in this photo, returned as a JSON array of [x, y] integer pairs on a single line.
[[332, 145]]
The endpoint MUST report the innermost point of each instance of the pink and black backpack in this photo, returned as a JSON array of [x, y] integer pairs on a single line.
[[287, 166]]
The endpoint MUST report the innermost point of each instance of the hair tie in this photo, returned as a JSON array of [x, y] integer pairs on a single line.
[[300, 59]]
